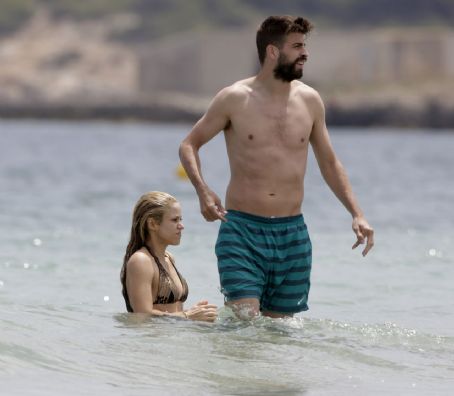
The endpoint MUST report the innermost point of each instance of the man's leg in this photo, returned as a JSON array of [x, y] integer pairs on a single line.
[[272, 314], [248, 308], [245, 308], [288, 284]]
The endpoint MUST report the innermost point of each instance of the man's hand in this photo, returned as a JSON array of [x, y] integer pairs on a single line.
[[211, 206], [363, 232]]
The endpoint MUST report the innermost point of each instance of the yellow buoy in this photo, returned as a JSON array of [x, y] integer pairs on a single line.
[[181, 173]]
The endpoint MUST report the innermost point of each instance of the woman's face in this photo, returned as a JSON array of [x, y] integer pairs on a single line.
[[171, 225]]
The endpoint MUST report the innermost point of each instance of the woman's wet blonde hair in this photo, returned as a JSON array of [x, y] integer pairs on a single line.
[[152, 205]]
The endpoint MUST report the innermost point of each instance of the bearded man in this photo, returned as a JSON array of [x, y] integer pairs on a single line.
[[263, 247]]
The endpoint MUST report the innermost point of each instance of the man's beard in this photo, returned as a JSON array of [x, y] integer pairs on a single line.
[[286, 71]]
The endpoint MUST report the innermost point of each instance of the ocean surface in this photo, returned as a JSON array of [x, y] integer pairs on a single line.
[[378, 325]]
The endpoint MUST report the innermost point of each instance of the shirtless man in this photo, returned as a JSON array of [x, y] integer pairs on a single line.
[[263, 247]]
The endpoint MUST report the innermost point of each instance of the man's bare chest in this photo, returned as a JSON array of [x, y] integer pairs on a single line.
[[261, 124]]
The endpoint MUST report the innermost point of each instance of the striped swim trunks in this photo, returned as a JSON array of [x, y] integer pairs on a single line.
[[265, 258]]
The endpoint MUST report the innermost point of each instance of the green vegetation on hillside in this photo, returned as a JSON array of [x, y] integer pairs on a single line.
[[345, 13], [13, 13], [160, 17]]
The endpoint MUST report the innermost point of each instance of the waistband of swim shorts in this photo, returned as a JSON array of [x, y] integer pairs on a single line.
[[236, 214]]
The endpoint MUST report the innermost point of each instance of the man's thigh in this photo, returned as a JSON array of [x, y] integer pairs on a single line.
[[242, 273]]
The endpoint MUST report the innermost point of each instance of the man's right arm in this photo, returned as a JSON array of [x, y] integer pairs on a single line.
[[213, 121]]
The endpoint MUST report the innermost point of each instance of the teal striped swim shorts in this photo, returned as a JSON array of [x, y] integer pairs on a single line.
[[268, 258]]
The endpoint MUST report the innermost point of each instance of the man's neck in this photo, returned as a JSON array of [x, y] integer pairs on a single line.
[[272, 85]]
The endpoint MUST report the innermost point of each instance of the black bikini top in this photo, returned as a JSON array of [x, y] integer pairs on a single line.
[[167, 290]]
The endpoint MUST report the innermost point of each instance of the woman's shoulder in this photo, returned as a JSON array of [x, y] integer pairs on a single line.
[[141, 263]]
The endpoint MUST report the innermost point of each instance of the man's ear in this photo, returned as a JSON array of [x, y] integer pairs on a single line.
[[272, 52]]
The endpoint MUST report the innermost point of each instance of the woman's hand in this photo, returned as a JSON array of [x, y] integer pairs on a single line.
[[202, 311]]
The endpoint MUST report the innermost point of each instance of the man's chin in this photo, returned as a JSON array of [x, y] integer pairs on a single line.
[[288, 79], [298, 73]]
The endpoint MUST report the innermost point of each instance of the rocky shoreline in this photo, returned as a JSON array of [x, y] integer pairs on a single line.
[[430, 115], [139, 112]]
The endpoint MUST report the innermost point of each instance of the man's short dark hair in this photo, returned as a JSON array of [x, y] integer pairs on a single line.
[[274, 29]]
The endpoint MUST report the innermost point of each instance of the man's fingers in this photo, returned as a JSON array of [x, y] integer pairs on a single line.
[[370, 242], [358, 233], [222, 217], [215, 213], [210, 213], [369, 246], [356, 244], [364, 233], [220, 211], [366, 250]]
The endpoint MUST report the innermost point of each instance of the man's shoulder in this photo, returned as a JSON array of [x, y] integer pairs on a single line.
[[232, 96], [239, 89], [305, 90], [309, 95]]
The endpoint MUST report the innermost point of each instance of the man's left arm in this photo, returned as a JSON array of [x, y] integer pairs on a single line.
[[335, 176]]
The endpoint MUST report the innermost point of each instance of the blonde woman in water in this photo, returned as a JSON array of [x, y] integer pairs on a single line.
[[151, 282]]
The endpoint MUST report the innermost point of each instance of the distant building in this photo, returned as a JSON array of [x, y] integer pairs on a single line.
[[377, 56], [200, 63], [197, 63]]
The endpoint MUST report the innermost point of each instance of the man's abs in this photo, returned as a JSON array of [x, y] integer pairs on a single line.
[[274, 199]]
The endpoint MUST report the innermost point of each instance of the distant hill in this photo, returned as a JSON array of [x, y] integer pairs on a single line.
[[157, 18]]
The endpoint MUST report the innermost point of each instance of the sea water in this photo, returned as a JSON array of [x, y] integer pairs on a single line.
[[383, 324]]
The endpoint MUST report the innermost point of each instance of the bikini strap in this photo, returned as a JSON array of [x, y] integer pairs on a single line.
[[158, 263]]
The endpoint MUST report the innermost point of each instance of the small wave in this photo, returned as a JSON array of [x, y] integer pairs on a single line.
[[386, 334]]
